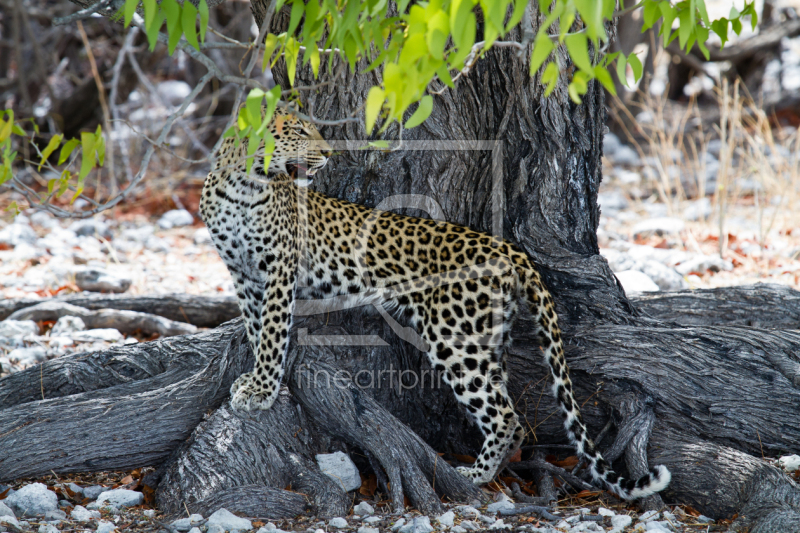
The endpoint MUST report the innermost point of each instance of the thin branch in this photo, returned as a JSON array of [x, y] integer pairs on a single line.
[[126, 46], [83, 13]]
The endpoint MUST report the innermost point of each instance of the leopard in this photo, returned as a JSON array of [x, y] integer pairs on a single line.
[[456, 288]]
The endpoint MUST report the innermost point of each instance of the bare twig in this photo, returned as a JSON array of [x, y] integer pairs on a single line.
[[84, 13], [112, 101]]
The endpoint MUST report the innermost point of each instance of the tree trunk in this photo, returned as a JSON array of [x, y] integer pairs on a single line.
[[677, 395]]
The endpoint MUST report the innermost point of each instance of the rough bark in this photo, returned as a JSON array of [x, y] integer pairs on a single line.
[[201, 311]]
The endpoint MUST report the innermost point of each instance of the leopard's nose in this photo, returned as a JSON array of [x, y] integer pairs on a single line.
[[327, 152]]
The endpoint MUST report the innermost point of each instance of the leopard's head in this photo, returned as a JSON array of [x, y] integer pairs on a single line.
[[298, 147]]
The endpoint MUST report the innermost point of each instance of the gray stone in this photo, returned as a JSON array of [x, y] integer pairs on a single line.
[[82, 514], [228, 521], [397, 525], [648, 516], [175, 218], [173, 92], [157, 244], [5, 510], [202, 236], [138, 235], [58, 514], [120, 497], [458, 529], [420, 524], [667, 279], [468, 511], [339, 467], [32, 500], [17, 234], [364, 509], [447, 518], [658, 226], [602, 511], [43, 219], [634, 281], [365, 529], [215, 528], [9, 520], [496, 507], [611, 144], [66, 325], [98, 335], [98, 280], [18, 328], [338, 522], [789, 463], [184, 524], [72, 486], [625, 155], [150, 513], [94, 491], [105, 527], [658, 527], [197, 530], [470, 525], [499, 524], [701, 263], [612, 201], [48, 528], [621, 521], [702, 519], [698, 210], [91, 227], [488, 520], [28, 356]]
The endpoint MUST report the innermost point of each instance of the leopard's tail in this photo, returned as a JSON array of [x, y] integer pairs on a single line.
[[541, 306]]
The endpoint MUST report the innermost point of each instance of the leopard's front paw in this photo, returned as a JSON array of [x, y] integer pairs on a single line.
[[476, 475], [248, 395]]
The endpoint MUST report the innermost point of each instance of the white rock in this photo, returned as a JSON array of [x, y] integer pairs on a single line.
[[500, 525], [138, 235], [175, 218], [468, 511], [611, 144], [18, 328], [420, 524], [339, 467], [94, 491], [699, 209], [228, 521], [634, 281], [667, 278], [32, 500], [471, 525], [338, 522], [157, 244], [496, 507], [365, 529], [215, 528], [48, 528], [612, 201], [602, 511], [397, 525], [202, 236], [149, 513], [648, 516], [658, 527], [184, 524], [82, 514], [9, 520], [363, 509], [486, 519], [790, 463], [98, 335], [173, 92], [589, 527], [17, 233], [447, 518], [625, 155], [658, 226], [458, 529], [98, 280], [120, 497], [66, 325], [91, 227], [58, 514], [621, 521], [701, 263], [702, 519], [105, 527], [43, 219], [372, 519], [5, 510], [197, 530]]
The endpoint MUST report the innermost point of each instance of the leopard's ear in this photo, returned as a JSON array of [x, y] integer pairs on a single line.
[[279, 120]]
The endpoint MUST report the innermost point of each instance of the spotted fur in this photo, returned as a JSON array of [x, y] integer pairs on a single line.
[[456, 287]]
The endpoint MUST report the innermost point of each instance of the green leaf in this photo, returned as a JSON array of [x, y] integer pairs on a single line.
[[189, 22], [271, 42], [100, 145], [686, 28], [591, 12], [292, 51], [202, 8], [651, 14], [573, 93], [550, 77], [16, 130], [253, 107], [375, 99], [6, 128], [130, 9], [150, 11], [578, 48], [444, 75], [51, 184], [622, 69], [67, 149], [602, 75], [297, 11], [736, 24], [541, 51], [720, 27], [636, 66], [381, 145], [54, 143], [87, 157], [172, 11], [702, 37], [701, 7], [516, 15], [153, 29], [423, 112]]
